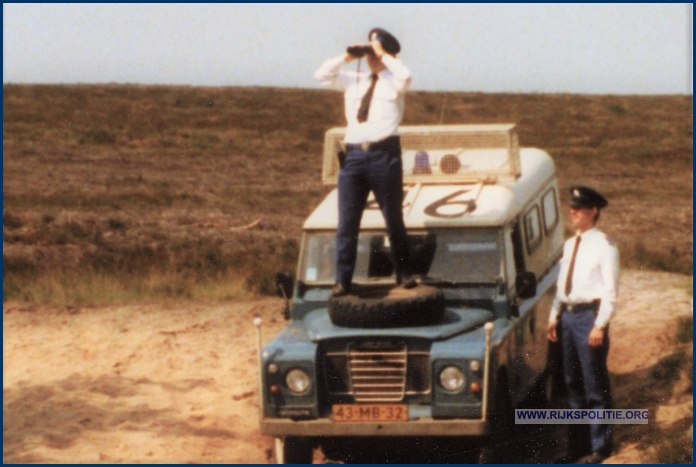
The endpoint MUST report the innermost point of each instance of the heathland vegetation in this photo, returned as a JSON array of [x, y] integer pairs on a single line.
[[117, 193]]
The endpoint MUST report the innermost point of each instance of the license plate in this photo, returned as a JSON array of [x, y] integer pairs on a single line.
[[369, 412]]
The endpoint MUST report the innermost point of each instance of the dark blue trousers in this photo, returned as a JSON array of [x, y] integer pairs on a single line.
[[587, 380], [381, 173]]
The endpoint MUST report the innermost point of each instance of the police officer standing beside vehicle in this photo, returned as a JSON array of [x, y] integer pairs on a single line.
[[585, 302], [374, 105]]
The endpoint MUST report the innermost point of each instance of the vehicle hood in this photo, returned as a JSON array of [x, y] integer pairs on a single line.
[[455, 321]]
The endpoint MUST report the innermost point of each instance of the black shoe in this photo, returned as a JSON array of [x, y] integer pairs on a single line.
[[407, 282], [594, 458], [340, 289]]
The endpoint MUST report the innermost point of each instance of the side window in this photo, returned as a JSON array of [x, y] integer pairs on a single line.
[[532, 229], [550, 210]]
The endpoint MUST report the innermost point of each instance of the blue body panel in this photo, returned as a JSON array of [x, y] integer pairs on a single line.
[[319, 327]]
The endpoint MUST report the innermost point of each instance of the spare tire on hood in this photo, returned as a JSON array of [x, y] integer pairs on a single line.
[[380, 307]]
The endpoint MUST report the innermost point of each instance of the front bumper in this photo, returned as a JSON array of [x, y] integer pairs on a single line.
[[424, 426]]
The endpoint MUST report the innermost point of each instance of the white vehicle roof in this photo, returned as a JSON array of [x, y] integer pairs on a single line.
[[436, 203]]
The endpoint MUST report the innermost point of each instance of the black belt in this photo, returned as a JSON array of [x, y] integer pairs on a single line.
[[580, 307], [382, 145]]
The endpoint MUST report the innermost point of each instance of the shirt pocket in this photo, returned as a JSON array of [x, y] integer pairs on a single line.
[[384, 105], [583, 268], [385, 93]]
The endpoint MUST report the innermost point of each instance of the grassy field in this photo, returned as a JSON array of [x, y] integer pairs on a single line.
[[117, 193]]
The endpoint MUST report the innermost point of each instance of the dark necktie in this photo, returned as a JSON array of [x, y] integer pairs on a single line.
[[569, 277], [365, 104]]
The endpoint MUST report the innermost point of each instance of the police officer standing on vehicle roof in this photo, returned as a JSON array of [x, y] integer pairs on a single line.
[[374, 105], [585, 302]]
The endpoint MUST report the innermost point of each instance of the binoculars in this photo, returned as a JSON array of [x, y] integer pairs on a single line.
[[360, 50]]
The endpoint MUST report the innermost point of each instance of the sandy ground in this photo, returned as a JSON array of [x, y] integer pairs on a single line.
[[178, 382]]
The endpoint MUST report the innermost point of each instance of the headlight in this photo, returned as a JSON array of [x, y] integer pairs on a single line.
[[297, 380], [452, 378]]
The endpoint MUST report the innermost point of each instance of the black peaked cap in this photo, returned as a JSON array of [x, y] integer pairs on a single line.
[[389, 42], [584, 197]]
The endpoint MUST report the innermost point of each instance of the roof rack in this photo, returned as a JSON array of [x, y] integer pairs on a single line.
[[444, 154]]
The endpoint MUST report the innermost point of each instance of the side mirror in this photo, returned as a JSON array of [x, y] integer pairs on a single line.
[[284, 285], [526, 284]]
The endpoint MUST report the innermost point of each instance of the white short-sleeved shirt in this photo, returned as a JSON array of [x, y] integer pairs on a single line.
[[387, 104], [595, 275]]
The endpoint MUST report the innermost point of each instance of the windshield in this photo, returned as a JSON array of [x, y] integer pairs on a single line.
[[461, 256]]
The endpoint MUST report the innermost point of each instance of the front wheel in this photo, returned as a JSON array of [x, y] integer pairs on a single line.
[[292, 450], [502, 419], [543, 393]]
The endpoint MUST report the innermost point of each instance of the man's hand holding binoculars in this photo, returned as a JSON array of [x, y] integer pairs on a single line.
[[374, 49]]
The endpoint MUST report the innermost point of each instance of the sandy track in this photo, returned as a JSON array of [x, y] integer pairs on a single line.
[[177, 382]]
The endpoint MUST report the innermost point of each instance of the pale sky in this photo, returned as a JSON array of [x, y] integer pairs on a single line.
[[621, 48]]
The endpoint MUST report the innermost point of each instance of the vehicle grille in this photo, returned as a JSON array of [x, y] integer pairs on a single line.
[[377, 371], [377, 375]]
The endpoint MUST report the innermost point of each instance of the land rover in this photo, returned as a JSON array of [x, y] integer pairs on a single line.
[[388, 371]]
